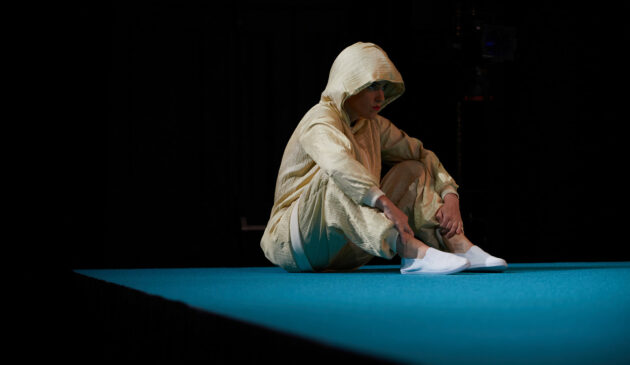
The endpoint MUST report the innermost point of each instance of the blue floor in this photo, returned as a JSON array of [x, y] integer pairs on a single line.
[[546, 313]]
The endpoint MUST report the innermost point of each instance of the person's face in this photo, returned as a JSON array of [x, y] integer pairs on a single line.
[[366, 103]]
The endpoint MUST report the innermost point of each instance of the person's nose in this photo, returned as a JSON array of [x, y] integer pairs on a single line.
[[380, 95]]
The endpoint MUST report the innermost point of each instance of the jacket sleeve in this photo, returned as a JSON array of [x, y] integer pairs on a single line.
[[397, 146], [331, 150]]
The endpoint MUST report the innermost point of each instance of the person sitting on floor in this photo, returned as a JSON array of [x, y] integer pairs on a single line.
[[331, 210]]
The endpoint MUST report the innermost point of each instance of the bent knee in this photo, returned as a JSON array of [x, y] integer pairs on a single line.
[[410, 168]]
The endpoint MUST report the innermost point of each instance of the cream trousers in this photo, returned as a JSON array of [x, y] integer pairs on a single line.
[[330, 232]]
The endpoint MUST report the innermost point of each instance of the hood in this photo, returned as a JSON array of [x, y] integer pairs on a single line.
[[354, 69]]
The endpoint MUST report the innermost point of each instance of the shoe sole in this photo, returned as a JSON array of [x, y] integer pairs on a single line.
[[499, 268], [447, 272]]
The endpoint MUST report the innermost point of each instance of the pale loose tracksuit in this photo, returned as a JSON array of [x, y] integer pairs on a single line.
[[330, 172]]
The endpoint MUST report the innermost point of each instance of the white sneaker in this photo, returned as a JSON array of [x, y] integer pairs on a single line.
[[480, 260], [434, 262]]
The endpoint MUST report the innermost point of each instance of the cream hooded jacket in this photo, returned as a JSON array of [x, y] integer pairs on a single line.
[[351, 155]]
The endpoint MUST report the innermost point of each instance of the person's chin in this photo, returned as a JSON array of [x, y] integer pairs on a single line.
[[371, 115]]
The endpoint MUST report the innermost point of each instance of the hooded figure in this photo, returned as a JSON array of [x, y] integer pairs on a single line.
[[331, 210]]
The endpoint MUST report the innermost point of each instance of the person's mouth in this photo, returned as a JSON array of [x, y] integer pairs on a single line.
[[376, 107]]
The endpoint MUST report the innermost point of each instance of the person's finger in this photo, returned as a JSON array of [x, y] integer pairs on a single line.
[[405, 237], [404, 226], [439, 216], [450, 232], [451, 228], [408, 229], [446, 223], [456, 228]]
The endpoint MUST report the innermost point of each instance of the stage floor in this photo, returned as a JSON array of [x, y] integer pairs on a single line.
[[539, 313]]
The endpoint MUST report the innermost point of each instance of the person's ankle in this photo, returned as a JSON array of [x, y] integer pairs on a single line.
[[422, 250], [412, 249], [458, 243]]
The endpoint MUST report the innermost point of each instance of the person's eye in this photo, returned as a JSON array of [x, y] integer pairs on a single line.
[[377, 86]]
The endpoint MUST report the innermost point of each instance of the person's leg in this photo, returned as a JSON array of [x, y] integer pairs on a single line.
[[411, 187], [336, 232], [479, 259], [459, 243]]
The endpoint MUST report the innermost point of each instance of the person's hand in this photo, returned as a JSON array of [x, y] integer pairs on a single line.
[[394, 214], [449, 216]]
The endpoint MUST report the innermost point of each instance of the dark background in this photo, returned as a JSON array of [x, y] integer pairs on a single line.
[[181, 112]]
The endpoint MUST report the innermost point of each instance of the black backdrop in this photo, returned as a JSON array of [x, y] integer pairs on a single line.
[[182, 113]]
